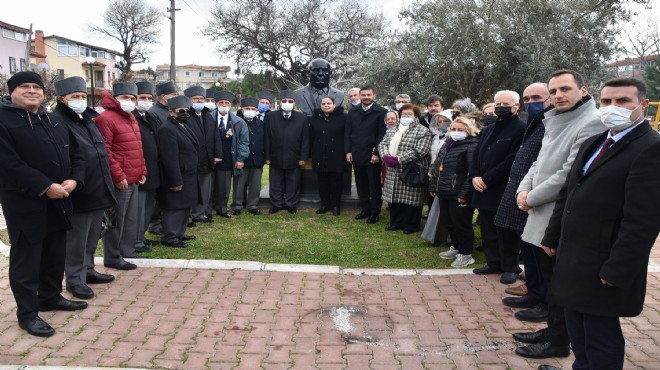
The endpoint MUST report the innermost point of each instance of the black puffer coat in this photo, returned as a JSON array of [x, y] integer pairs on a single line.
[[453, 182]]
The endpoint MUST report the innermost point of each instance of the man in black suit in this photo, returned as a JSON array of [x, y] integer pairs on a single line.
[[603, 227], [365, 128], [40, 166], [179, 159]]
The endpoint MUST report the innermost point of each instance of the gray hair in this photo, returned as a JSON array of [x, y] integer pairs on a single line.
[[514, 95], [403, 96], [353, 88], [464, 105]]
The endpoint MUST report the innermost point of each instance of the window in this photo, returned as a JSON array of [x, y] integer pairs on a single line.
[[60, 74], [84, 51], [187, 74], [201, 74], [67, 48], [14, 35], [214, 74], [12, 65], [23, 65]]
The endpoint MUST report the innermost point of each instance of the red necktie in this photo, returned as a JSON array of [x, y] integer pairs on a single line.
[[608, 143]]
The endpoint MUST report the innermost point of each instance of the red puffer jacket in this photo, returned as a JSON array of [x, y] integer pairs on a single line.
[[122, 140]]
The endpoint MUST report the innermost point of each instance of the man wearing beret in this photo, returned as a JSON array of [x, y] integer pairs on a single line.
[[159, 113], [35, 200], [127, 167], [265, 101], [254, 164]]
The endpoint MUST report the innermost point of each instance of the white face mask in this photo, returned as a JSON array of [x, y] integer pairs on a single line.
[[399, 105], [458, 135], [198, 106], [287, 107], [249, 114], [223, 110], [143, 106], [616, 118], [406, 120], [127, 106], [77, 106], [210, 105]]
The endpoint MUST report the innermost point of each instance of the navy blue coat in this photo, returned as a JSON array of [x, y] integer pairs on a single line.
[[364, 131], [287, 141], [149, 136], [208, 137], [326, 137], [257, 132], [179, 160]]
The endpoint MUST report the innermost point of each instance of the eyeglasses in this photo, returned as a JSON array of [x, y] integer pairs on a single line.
[[288, 101]]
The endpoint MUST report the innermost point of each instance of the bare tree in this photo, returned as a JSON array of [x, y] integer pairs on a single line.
[[284, 35], [133, 23]]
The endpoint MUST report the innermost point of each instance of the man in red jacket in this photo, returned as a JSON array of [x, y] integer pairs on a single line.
[[127, 167]]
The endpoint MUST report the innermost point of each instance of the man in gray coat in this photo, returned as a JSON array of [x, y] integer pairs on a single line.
[[574, 119]]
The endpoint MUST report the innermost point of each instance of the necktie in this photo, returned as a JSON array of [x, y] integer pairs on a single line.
[[222, 121], [286, 116], [608, 143]]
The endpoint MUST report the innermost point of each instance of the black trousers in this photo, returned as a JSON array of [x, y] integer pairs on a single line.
[[174, 224], [597, 341], [406, 217], [367, 184], [458, 218], [330, 188], [535, 283], [284, 186], [36, 270], [557, 333], [500, 244]]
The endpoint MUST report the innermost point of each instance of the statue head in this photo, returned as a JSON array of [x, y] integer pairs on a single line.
[[319, 73]]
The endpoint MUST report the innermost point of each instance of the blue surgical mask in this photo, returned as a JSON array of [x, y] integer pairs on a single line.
[[198, 107], [534, 109], [263, 108]]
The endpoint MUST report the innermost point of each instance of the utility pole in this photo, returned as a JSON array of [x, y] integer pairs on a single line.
[[28, 49], [172, 9]]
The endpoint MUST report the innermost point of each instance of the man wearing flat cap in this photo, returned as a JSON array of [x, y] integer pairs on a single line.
[[35, 200], [210, 151], [209, 102], [287, 148], [179, 161], [265, 101], [159, 112], [89, 203], [123, 142], [249, 184], [235, 150]]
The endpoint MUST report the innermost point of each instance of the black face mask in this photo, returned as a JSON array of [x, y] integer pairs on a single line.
[[454, 115], [182, 116], [489, 120], [503, 112]]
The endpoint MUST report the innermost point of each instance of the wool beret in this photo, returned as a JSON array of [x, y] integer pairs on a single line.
[[195, 91], [265, 95], [179, 102], [165, 88], [250, 102], [70, 85], [288, 94], [224, 95], [24, 77], [124, 88], [210, 93], [145, 87]]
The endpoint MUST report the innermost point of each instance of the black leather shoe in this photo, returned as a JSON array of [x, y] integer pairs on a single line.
[[191, 224], [175, 244], [508, 277], [543, 350], [410, 231], [362, 215], [531, 338], [335, 211], [151, 242], [187, 237], [81, 291], [95, 277], [208, 219], [255, 211], [121, 265], [63, 304], [275, 209], [486, 270], [392, 228], [224, 215], [373, 219], [548, 367], [526, 301], [322, 210], [36, 327], [144, 249], [236, 212], [536, 314], [292, 210]]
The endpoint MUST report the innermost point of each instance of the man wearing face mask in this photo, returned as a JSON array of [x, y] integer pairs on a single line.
[[179, 152], [400, 100], [265, 100], [567, 126], [250, 181], [209, 102], [354, 97], [123, 142], [434, 105], [286, 150], [489, 174], [537, 100], [604, 225], [310, 95], [90, 202], [159, 111], [210, 151]]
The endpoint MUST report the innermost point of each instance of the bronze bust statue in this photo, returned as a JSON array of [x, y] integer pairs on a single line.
[[318, 87]]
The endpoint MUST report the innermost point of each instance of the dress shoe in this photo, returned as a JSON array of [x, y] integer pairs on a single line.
[[362, 215], [143, 249], [486, 270], [292, 210], [519, 290], [175, 244], [236, 212], [187, 237], [526, 301], [208, 219], [151, 242], [407, 232], [543, 350], [81, 291], [95, 277], [137, 256], [373, 219], [156, 230], [199, 219], [531, 338], [536, 314], [392, 228], [275, 209], [121, 265], [548, 367], [224, 214], [322, 210], [255, 211], [191, 224], [335, 211], [508, 277], [37, 327], [63, 304]]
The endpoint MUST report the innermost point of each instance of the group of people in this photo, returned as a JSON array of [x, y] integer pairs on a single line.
[[564, 191]]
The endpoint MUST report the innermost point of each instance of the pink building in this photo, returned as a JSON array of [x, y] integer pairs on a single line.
[[13, 44]]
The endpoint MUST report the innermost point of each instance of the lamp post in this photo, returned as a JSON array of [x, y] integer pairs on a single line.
[[91, 61]]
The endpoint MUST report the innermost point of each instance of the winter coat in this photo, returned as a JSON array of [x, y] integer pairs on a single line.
[[414, 147], [35, 152], [453, 182], [158, 114], [326, 137], [257, 133], [122, 141], [208, 137], [287, 140], [99, 190], [564, 134], [493, 158], [364, 131], [149, 136], [179, 160], [240, 140]]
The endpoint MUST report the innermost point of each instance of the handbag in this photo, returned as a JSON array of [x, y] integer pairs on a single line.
[[414, 174]]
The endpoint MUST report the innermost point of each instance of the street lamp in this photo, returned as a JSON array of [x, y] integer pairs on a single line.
[[91, 61]]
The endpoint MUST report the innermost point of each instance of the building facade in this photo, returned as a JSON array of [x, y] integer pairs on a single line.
[[193, 75], [13, 45]]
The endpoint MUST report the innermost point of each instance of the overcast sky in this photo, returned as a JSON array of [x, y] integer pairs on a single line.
[[191, 47]]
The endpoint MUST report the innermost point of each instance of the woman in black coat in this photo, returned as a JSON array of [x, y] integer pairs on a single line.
[[326, 132], [450, 183]]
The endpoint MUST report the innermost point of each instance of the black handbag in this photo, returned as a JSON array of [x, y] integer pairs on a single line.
[[414, 174]]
